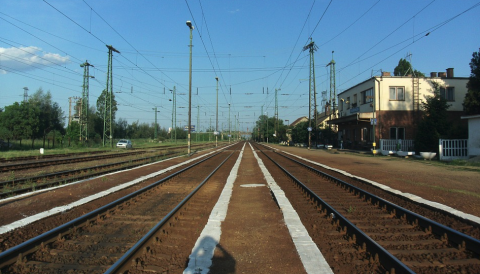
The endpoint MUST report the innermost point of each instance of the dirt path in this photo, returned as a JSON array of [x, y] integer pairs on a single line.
[[254, 236]]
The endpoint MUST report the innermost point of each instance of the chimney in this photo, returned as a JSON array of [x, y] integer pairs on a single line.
[[442, 74], [449, 72], [433, 74], [385, 73]]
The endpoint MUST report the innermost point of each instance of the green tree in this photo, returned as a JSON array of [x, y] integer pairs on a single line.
[[300, 133], [21, 120], [327, 135], [101, 105], [121, 128], [5, 136], [73, 132], [404, 68], [50, 114], [471, 103], [434, 123]]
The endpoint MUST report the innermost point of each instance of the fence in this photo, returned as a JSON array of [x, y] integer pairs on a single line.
[[391, 144], [451, 149]]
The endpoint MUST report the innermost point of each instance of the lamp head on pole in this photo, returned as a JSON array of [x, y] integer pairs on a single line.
[[189, 24]]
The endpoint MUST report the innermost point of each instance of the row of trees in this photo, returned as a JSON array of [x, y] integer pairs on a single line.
[[32, 119], [41, 118]]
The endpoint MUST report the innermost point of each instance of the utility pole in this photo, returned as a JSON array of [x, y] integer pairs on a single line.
[[216, 124], [261, 113], [229, 128], [276, 111], [156, 125], [333, 92], [198, 121], [25, 94], [174, 111], [108, 114], [312, 102], [190, 26], [85, 96]]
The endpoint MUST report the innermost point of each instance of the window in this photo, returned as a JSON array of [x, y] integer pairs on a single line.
[[354, 102], [448, 93], [397, 94], [397, 133], [367, 96], [348, 102]]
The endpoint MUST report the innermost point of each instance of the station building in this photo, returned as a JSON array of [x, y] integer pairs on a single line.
[[389, 107]]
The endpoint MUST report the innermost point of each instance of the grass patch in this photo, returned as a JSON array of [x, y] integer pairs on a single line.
[[449, 190]]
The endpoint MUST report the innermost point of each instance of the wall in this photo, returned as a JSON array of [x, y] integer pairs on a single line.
[[474, 136]]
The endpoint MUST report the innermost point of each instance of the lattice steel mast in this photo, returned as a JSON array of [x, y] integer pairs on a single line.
[[84, 105], [312, 102], [333, 92], [108, 109]]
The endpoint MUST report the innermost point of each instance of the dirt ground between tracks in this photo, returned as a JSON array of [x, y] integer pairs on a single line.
[[454, 186], [457, 187]]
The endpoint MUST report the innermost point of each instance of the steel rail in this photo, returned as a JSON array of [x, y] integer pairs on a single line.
[[63, 173], [361, 238], [459, 238], [119, 265], [42, 163], [35, 162], [9, 256], [46, 156]]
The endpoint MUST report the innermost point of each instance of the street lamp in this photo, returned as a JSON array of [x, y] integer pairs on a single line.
[[267, 126], [189, 24], [156, 126], [174, 114], [216, 125], [229, 129]]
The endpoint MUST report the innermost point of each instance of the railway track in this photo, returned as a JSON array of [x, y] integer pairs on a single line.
[[168, 210], [47, 156], [24, 185], [19, 186], [367, 231], [31, 163]]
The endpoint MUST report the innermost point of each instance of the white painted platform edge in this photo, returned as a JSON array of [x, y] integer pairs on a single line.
[[202, 252], [413, 197], [310, 255], [60, 209]]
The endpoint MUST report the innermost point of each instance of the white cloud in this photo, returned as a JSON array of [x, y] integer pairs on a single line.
[[234, 11], [28, 58]]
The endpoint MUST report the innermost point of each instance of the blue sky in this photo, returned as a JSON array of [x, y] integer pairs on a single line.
[[252, 46]]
